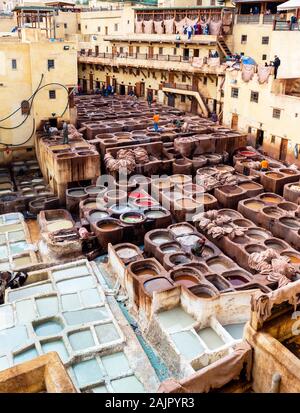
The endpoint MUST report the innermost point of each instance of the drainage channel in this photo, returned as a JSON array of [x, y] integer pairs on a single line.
[[157, 363]]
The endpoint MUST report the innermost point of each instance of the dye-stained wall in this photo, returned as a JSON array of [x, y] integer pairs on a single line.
[[24, 67]]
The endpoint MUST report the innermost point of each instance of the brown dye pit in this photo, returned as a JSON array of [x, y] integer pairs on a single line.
[[236, 280], [255, 205], [294, 259], [272, 212], [270, 199], [126, 253], [146, 271], [274, 175], [157, 284], [186, 280], [257, 234], [187, 203], [90, 205], [248, 185], [275, 245], [290, 222], [108, 226]]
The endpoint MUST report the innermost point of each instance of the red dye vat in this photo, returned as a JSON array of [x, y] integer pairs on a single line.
[[136, 195], [248, 154]]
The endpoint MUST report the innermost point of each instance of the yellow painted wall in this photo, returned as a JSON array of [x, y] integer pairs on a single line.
[[7, 23], [32, 58]]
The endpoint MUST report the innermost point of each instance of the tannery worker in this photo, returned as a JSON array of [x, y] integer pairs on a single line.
[[198, 247], [264, 165], [65, 133], [156, 118]]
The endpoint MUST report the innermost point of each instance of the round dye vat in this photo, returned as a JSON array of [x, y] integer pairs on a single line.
[[96, 215], [290, 222], [236, 280], [249, 185], [188, 240], [136, 195], [76, 192], [181, 230], [257, 234], [95, 189], [168, 249], [180, 179], [178, 259], [288, 206], [254, 205], [294, 258], [154, 214], [146, 271], [132, 217], [161, 239], [48, 328], [108, 226], [163, 184], [248, 154], [272, 212], [186, 280], [59, 224], [274, 175], [120, 208], [243, 223], [270, 199], [157, 284], [90, 205], [145, 202], [126, 253], [275, 244]]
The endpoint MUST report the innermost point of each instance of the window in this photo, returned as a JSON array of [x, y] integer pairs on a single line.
[[65, 25], [205, 80], [79, 26], [161, 50], [174, 51], [183, 78], [199, 2], [249, 129], [273, 139], [14, 64], [99, 29], [234, 92], [196, 53], [244, 38], [182, 98], [51, 64], [106, 30], [85, 26], [276, 113], [265, 40], [212, 2], [264, 57], [116, 27], [52, 94], [121, 49], [254, 97]]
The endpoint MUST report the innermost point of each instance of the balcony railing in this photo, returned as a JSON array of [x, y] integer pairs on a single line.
[[140, 56], [180, 86], [286, 26], [268, 18], [247, 18]]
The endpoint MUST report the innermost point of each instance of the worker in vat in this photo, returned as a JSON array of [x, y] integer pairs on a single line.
[[47, 129], [198, 247], [214, 117], [156, 119], [65, 133], [150, 98], [264, 165], [185, 127]]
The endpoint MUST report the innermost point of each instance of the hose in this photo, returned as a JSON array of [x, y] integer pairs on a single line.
[[15, 111]]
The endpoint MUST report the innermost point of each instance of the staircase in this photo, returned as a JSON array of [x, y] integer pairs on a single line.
[[223, 46]]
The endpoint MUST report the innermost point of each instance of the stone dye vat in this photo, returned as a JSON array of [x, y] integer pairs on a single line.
[[73, 318], [16, 250]]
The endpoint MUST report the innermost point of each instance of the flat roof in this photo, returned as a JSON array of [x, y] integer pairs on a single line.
[[33, 8]]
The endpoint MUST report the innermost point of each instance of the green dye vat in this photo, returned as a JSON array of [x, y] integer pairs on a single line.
[[70, 302], [3, 252], [25, 311], [106, 333], [48, 328], [128, 384], [187, 344], [115, 364], [81, 340], [90, 297], [16, 236], [75, 284], [47, 306], [26, 355], [12, 338], [25, 292], [235, 330], [175, 319], [86, 315], [87, 372], [211, 338], [70, 272], [58, 346], [18, 247]]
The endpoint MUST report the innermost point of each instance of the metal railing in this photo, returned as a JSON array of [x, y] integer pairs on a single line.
[[268, 18], [286, 26], [247, 18]]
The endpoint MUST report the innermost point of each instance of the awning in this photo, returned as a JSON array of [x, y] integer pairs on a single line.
[[289, 5]]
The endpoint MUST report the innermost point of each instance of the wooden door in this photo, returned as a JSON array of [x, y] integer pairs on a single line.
[[114, 51], [234, 121], [283, 149], [107, 81], [195, 83], [114, 84], [171, 77], [150, 52], [171, 100], [142, 89], [96, 50], [91, 82], [138, 89], [84, 85], [130, 50]]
